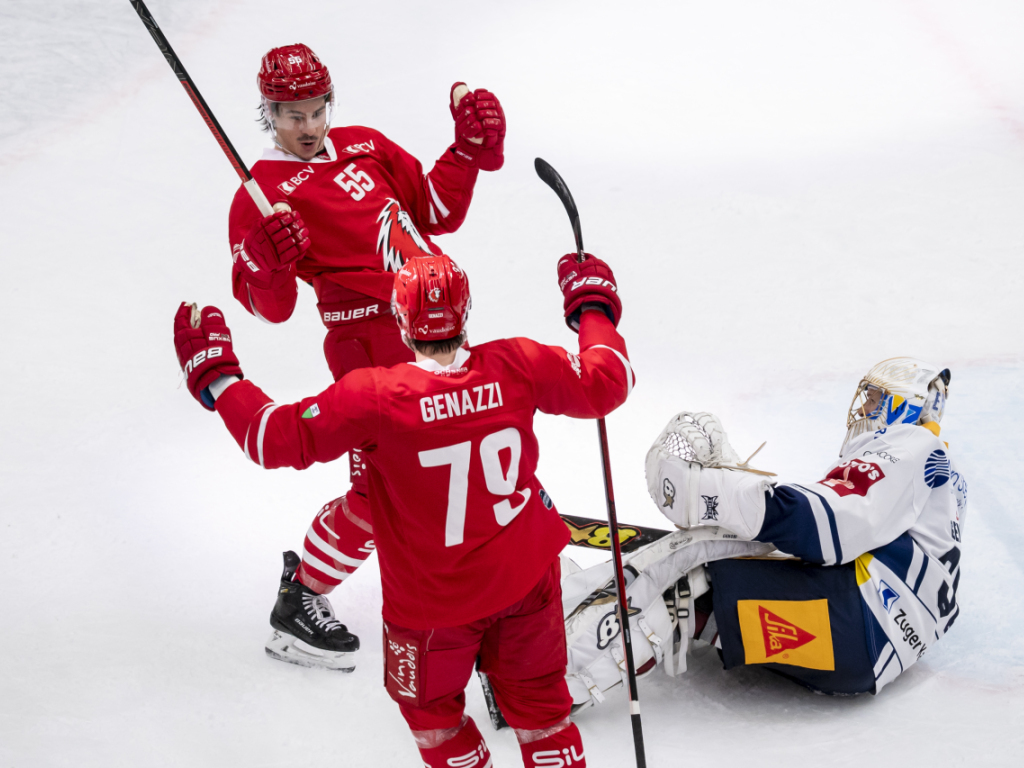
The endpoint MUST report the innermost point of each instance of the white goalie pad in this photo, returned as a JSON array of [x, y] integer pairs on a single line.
[[589, 602]]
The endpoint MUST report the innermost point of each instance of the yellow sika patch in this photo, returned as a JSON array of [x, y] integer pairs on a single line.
[[794, 632]]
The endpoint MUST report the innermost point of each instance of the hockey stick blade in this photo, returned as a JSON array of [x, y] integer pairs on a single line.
[[552, 178], [595, 534]]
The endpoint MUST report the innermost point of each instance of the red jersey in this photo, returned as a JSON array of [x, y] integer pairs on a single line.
[[368, 206], [461, 523]]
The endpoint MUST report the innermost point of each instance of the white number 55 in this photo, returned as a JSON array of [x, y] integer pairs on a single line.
[[356, 183]]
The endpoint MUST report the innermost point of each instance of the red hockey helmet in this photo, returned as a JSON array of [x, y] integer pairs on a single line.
[[293, 73], [431, 298]]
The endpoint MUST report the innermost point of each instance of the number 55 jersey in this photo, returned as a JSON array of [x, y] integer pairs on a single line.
[[462, 526]]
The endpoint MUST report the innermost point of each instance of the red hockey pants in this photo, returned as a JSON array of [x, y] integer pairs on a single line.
[[521, 650], [361, 332]]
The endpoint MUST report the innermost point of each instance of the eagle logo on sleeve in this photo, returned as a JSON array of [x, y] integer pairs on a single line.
[[398, 240]]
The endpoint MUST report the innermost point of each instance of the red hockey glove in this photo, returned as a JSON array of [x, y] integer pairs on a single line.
[[203, 344], [588, 282], [273, 244], [479, 125]]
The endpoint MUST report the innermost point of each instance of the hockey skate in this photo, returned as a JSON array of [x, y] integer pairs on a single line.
[[306, 631]]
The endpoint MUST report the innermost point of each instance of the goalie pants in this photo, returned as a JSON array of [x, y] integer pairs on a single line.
[[361, 332], [520, 648], [800, 620]]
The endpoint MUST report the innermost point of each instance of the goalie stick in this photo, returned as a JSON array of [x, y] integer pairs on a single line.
[[551, 177], [204, 110], [596, 534]]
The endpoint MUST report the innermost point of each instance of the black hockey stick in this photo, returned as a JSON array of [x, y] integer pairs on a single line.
[[550, 177], [204, 110]]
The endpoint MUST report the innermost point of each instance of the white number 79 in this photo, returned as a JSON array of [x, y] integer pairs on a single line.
[[458, 458]]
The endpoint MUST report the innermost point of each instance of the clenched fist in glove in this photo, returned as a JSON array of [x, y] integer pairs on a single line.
[[590, 281], [271, 248], [479, 125], [203, 343]]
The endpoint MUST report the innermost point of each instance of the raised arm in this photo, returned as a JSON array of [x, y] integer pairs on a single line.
[[598, 380], [316, 429], [439, 200]]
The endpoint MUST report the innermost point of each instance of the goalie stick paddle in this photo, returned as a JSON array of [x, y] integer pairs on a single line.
[[552, 178], [595, 534], [204, 110]]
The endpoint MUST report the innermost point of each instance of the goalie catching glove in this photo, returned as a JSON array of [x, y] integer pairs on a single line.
[[587, 282], [203, 343], [696, 478]]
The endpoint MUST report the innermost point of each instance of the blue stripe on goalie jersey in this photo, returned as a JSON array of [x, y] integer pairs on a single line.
[[879, 645], [920, 575], [789, 524], [833, 528], [897, 556]]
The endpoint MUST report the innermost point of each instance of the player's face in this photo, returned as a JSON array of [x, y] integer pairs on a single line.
[[872, 399], [301, 126]]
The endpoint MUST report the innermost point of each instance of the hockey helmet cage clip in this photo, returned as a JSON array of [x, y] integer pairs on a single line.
[[431, 298]]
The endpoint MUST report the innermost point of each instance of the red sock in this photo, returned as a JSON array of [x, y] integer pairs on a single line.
[[465, 749], [560, 750]]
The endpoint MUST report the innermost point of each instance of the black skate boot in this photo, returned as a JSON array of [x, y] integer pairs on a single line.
[[305, 629]]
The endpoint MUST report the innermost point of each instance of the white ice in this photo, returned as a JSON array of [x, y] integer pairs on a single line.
[[788, 192]]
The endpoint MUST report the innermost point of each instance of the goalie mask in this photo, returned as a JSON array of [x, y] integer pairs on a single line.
[[431, 298], [901, 390]]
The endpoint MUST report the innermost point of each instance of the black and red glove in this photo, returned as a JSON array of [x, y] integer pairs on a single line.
[[203, 343], [272, 246], [479, 126], [590, 281]]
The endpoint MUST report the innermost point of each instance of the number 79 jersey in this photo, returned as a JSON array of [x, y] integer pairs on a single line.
[[461, 523]]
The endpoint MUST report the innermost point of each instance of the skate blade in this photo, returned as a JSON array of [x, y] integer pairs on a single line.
[[285, 647]]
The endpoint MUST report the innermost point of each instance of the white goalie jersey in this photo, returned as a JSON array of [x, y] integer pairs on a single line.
[[894, 503]]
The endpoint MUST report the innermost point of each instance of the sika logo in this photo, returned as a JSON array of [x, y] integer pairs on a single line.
[[780, 635], [557, 758], [793, 632], [478, 757], [854, 476]]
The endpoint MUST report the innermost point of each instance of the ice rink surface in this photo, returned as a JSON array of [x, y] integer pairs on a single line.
[[789, 192]]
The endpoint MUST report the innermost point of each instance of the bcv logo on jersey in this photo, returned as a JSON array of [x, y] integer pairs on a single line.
[[355, 149], [287, 187]]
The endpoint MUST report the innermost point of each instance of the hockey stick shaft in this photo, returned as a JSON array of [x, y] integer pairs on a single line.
[[204, 110], [552, 178]]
